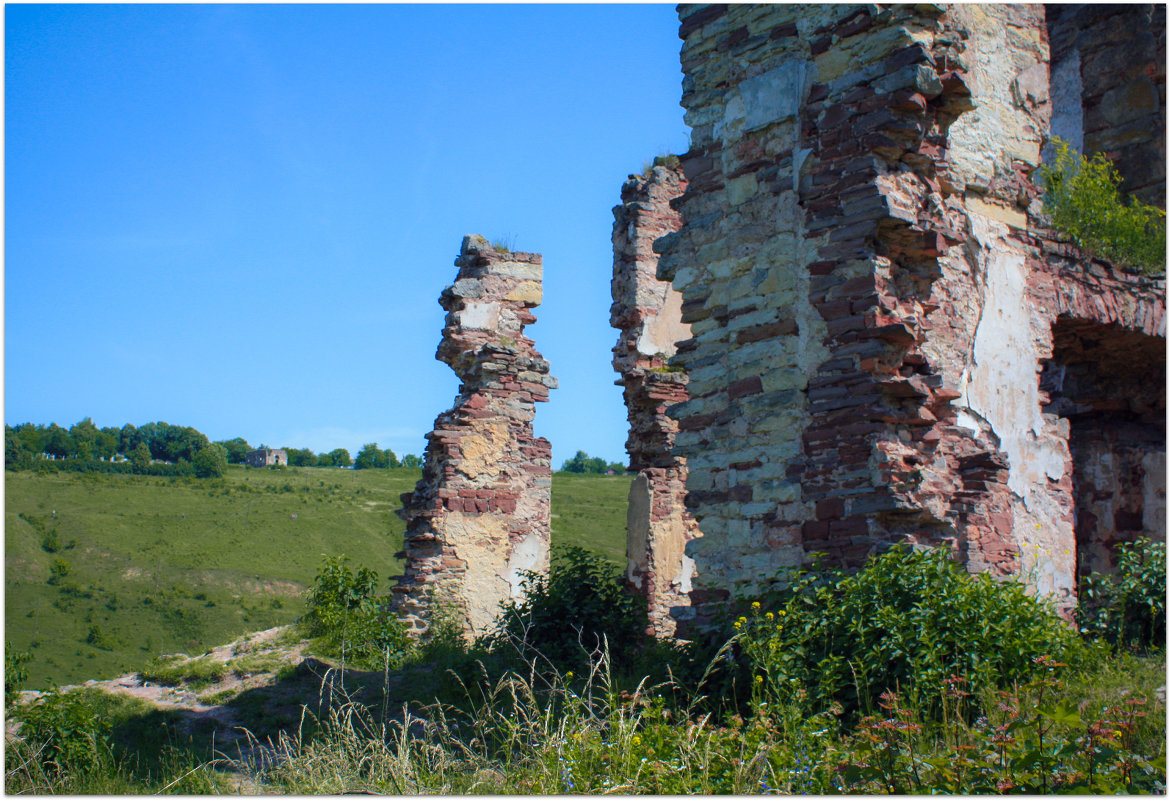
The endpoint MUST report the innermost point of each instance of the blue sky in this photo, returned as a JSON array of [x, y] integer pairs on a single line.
[[240, 218]]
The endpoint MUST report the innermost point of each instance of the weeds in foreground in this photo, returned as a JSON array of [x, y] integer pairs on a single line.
[[507, 719]]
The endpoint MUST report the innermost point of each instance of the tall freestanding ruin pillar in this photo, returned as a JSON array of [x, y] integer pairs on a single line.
[[479, 517], [887, 343], [648, 313]]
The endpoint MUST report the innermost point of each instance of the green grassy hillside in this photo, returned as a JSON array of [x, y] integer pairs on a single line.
[[103, 572]]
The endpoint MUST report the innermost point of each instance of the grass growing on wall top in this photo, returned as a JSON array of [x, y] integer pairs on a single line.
[[1082, 198]]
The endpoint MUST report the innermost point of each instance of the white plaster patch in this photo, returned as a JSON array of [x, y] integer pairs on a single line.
[[968, 422], [526, 555], [661, 333], [1002, 384], [480, 316], [686, 571]]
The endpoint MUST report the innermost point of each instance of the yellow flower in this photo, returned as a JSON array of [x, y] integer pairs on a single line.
[[736, 624], [768, 615], [569, 674], [783, 612], [759, 679], [756, 604], [635, 740]]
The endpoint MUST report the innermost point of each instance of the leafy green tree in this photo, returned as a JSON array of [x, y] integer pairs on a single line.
[[210, 462], [411, 460], [106, 442], [128, 438], [577, 464], [370, 457], [14, 448], [84, 434], [236, 448], [339, 457], [301, 457], [58, 443], [582, 462], [391, 459], [140, 457]]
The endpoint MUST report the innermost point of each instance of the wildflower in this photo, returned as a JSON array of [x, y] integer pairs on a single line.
[[768, 615], [736, 624], [635, 740], [759, 679], [569, 674], [756, 604]]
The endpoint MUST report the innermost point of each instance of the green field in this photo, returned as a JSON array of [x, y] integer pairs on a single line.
[[103, 572]]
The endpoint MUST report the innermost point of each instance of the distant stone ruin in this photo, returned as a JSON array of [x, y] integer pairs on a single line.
[[479, 517], [647, 312], [887, 345]]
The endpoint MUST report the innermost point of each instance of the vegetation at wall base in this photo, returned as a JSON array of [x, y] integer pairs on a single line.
[[907, 621], [349, 621], [1082, 199], [575, 611], [1128, 608], [490, 718]]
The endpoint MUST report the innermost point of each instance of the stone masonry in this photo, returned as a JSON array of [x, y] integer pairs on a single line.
[[479, 517], [886, 343], [647, 313], [1108, 75]]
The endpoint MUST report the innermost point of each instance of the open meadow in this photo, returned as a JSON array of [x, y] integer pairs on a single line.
[[105, 572]]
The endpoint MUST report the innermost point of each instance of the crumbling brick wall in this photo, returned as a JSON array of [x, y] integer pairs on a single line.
[[647, 313], [478, 519], [870, 295]]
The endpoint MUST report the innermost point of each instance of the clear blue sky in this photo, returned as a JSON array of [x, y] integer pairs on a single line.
[[240, 218]]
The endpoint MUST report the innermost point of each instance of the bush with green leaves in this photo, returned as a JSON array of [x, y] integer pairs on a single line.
[[907, 621], [15, 674], [349, 621], [570, 613], [1129, 608], [1082, 199]]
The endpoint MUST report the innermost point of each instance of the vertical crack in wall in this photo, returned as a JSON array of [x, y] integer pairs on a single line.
[[479, 517], [648, 313]]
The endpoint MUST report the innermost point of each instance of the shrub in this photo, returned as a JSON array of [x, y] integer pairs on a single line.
[[1129, 608], [907, 621], [350, 621], [1082, 199], [15, 674], [572, 611]]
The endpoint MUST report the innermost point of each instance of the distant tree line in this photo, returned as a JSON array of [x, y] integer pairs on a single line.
[[158, 449], [584, 463]]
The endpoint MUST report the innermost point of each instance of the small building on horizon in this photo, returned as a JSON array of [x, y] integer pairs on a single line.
[[266, 457]]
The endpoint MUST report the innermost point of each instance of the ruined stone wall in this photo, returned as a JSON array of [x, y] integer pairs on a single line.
[[479, 517], [870, 295], [1109, 77], [647, 312]]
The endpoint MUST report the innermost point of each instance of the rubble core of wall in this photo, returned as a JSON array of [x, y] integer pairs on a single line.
[[478, 519], [1109, 84], [647, 313], [871, 295]]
